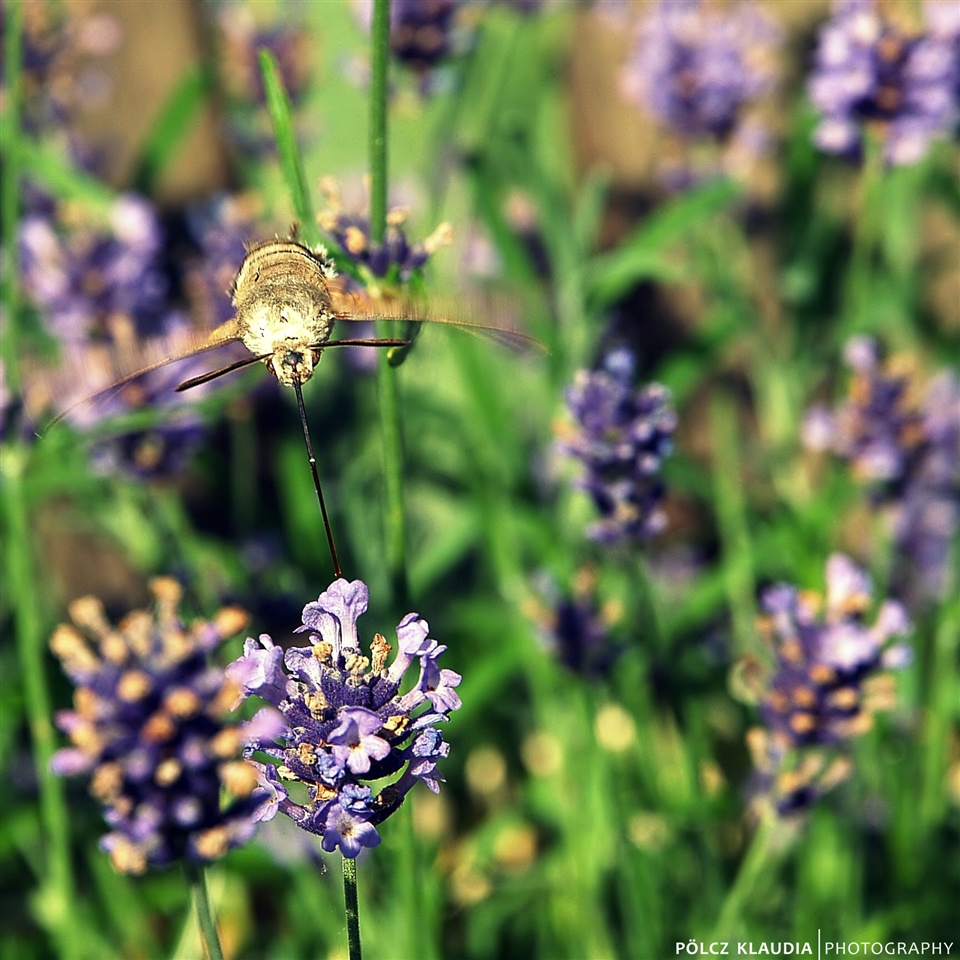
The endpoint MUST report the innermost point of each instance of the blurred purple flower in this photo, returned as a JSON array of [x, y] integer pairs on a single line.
[[576, 628], [345, 718], [241, 38], [102, 292], [60, 76], [149, 725], [395, 257], [827, 683], [621, 435], [903, 441], [697, 70], [81, 277], [221, 228], [868, 70], [421, 31]]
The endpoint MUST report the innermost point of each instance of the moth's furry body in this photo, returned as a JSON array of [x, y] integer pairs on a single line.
[[283, 306]]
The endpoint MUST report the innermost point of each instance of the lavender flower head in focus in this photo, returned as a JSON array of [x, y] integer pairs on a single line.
[[697, 71], [621, 435], [149, 725], [346, 723], [828, 681], [870, 70], [902, 439]]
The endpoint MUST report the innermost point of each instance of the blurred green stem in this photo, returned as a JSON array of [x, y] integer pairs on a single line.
[[57, 904], [938, 716], [731, 510], [10, 188], [387, 392], [352, 907], [752, 869], [865, 233], [649, 615], [380, 54], [208, 928], [59, 893]]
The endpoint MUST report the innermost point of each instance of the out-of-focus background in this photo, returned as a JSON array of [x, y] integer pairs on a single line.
[[707, 630]]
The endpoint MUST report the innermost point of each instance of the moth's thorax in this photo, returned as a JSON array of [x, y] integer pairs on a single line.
[[283, 306]]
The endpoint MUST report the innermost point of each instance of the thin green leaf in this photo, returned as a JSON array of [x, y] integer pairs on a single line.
[[53, 170], [291, 163], [643, 255], [169, 129]]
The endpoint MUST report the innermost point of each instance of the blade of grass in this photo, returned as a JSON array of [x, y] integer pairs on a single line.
[[291, 163], [170, 127]]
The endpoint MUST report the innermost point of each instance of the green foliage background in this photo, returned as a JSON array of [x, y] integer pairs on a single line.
[[544, 842]]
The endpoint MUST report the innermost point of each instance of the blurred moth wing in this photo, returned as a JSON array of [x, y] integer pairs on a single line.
[[115, 367], [470, 314], [287, 298]]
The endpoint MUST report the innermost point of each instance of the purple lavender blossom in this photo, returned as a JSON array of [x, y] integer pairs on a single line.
[[149, 725], [240, 34], [241, 39], [221, 229], [697, 71], [827, 683], [395, 258], [576, 627], [869, 71], [346, 723], [621, 436], [60, 76], [902, 440], [80, 276], [102, 292], [421, 31]]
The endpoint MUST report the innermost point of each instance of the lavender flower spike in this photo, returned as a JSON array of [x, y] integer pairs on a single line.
[[697, 70], [621, 436], [149, 725], [901, 438], [870, 71], [346, 724], [828, 682]]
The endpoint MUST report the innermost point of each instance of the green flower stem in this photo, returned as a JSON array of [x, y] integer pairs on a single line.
[[208, 927], [387, 390], [351, 906], [731, 510], [10, 187], [59, 893], [865, 236], [380, 39], [759, 858], [649, 615]]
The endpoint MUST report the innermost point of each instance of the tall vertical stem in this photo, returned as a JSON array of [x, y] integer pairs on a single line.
[[60, 894], [23, 577], [208, 927], [352, 907], [386, 375]]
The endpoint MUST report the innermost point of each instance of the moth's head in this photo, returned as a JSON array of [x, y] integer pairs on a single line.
[[293, 363]]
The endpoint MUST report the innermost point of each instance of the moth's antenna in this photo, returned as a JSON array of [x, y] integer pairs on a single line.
[[316, 480], [213, 374]]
